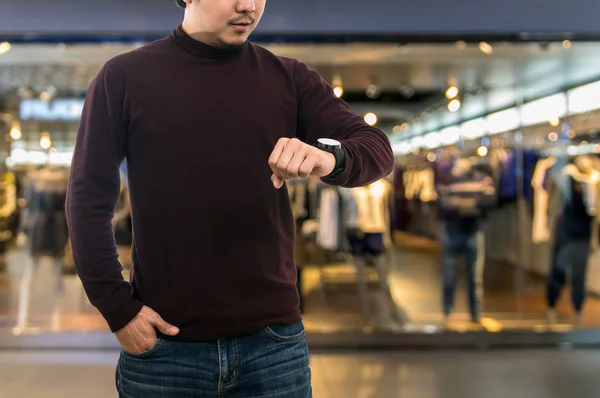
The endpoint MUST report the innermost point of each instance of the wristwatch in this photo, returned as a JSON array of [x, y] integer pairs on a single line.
[[334, 147]]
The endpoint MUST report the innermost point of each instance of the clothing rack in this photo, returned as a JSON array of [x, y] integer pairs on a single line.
[[330, 246]]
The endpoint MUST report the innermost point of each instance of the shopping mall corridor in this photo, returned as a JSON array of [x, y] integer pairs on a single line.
[[445, 374]]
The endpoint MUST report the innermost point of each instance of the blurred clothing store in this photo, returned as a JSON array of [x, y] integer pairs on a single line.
[[486, 232]]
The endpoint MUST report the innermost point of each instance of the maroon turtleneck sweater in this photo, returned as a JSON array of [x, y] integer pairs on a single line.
[[213, 248]]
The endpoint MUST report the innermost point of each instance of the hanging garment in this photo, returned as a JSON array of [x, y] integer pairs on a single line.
[[297, 191], [45, 221], [411, 184], [327, 234], [401, 214], [515, 168], [497, 159], [540, 228], [427, 191], [351, 208]]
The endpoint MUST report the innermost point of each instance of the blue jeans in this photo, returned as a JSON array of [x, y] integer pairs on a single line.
[[272, 363], [569, 254], [458, 245]]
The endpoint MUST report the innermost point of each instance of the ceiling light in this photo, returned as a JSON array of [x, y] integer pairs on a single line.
[[397, 129], [567, 44], [338, 91], [553, 137], [452, 92], [371, 119], [15, 132], [554, 122], [461, 44], [431, 157], [572, 134], [45, 141], [336, 81], [454, 105], [482, 151], [486, 48], [4, 47]]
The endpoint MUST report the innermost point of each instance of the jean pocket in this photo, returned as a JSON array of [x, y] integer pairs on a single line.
[[286, 334], [146, 353]]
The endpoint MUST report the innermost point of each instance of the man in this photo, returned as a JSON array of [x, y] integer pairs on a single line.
[[211, 127]]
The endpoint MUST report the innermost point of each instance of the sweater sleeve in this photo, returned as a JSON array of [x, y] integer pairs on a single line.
[[92, 195], [321, 114]]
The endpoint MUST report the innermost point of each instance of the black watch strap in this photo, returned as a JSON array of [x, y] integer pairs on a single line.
[[338, 152]]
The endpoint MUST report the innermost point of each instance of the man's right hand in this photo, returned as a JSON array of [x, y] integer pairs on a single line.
[[139, 335]]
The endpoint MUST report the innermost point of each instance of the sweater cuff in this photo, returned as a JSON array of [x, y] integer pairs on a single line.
[[118, 320], [340, 177]]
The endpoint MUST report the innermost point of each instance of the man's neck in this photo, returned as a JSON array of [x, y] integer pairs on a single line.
[[202, 37]]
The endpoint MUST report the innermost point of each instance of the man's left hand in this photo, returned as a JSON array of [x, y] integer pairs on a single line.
[[292, 158]]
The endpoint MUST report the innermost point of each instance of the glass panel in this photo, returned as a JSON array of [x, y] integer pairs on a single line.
[[465, 229]]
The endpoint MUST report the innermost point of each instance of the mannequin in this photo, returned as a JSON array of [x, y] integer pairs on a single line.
[[465, 195], [368, 231], [572, 196], [369, 226], [44, 224]]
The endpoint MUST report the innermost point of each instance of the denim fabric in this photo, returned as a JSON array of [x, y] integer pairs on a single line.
[[273, 363], [457, 244], [569, 254]]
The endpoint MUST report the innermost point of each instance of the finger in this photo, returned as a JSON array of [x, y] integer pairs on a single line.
[[284, 161], [277, 182], [276, 153], [293, 167], [164, 327], [307, 167]]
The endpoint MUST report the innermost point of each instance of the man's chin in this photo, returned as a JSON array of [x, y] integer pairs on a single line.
[[233, 41], [234, 45]]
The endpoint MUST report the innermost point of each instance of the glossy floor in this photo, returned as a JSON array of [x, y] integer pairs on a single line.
[[415, 282], [449, 374]]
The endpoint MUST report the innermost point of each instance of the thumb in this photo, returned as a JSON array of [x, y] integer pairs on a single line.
[[277, 182], [165, 328]]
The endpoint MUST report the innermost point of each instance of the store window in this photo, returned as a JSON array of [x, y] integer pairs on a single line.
[[487, 224]]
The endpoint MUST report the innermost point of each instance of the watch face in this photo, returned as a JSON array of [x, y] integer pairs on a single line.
[[329, 142]]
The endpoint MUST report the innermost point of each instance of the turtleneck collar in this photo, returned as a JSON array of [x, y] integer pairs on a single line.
[[203, 50]]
